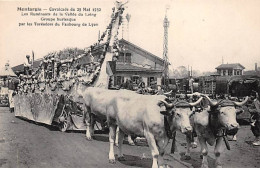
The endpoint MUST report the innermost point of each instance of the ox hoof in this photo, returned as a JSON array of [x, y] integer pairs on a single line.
[[167, 166], [112, 161], [194, 145], [187, 157], [204, 166], [121, 158], [89, 138], [218, 166], [132, 143], [116, 144]]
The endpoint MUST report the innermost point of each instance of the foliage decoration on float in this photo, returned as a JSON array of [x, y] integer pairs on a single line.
[[61, 69]]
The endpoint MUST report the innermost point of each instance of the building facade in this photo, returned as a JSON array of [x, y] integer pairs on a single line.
[[230, 69], [207, 84], [134, 63]]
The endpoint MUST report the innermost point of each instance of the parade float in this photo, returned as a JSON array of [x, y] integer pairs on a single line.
[[44, 96]]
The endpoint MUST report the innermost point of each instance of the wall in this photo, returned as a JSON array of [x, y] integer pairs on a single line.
[[144, 75], [142, 57]]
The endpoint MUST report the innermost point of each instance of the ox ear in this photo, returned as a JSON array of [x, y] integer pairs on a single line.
[[166, 104], [165, 113], [160, 104], [239, 111], [165, 108]]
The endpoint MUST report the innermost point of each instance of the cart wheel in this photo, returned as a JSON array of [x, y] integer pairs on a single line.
[[65, 125]]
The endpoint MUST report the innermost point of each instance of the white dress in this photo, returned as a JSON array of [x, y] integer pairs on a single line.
[[11, 99]]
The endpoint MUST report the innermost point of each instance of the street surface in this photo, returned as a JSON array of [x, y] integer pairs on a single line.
[[25, 143]]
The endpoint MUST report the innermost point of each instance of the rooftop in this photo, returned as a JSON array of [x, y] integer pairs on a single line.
[[7, 71], [141, 49], [131, 67], [231, 66]]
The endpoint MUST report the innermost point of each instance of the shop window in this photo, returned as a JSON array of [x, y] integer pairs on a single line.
[[128, 58], [135, 79], [124, 58], [150, 81], [120, 57]]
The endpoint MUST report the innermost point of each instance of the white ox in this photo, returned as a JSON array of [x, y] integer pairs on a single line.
[[136, 114], [209, 125]]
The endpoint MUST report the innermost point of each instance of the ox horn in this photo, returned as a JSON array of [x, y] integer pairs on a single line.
[[211, 103], [194, 94], [168, 93], [167, 105], [197, 102], [241, 103]]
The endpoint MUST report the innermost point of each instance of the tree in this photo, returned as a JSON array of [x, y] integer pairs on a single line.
[[179, 72]]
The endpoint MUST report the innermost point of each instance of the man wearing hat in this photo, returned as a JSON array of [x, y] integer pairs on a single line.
[[27, 65], [254, 109]]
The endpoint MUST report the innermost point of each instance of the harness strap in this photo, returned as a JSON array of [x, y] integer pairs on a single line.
[[217, 130], [214, 126], [225, 139], [167, 128]]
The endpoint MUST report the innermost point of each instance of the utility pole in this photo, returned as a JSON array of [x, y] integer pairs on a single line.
[[165, 73], [128, 17]]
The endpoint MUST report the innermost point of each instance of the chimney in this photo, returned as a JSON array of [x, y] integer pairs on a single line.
[[255, 66]]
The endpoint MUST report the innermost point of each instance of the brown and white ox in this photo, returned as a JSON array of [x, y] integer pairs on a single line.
[[211, 125], [139, 115]]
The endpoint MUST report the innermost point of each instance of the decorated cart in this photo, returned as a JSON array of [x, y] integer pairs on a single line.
[[44, 94]]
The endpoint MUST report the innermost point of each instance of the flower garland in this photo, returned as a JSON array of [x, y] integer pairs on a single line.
[[46, 75]]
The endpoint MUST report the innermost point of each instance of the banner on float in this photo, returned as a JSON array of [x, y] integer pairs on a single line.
[[37, 107]]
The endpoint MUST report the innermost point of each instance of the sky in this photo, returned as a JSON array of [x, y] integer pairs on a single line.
[[201, 32]]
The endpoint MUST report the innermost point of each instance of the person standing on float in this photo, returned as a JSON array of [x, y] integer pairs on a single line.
[[27, 65]]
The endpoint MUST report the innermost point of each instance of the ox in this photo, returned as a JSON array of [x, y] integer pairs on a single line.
[[212, 124], [139, 115]]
